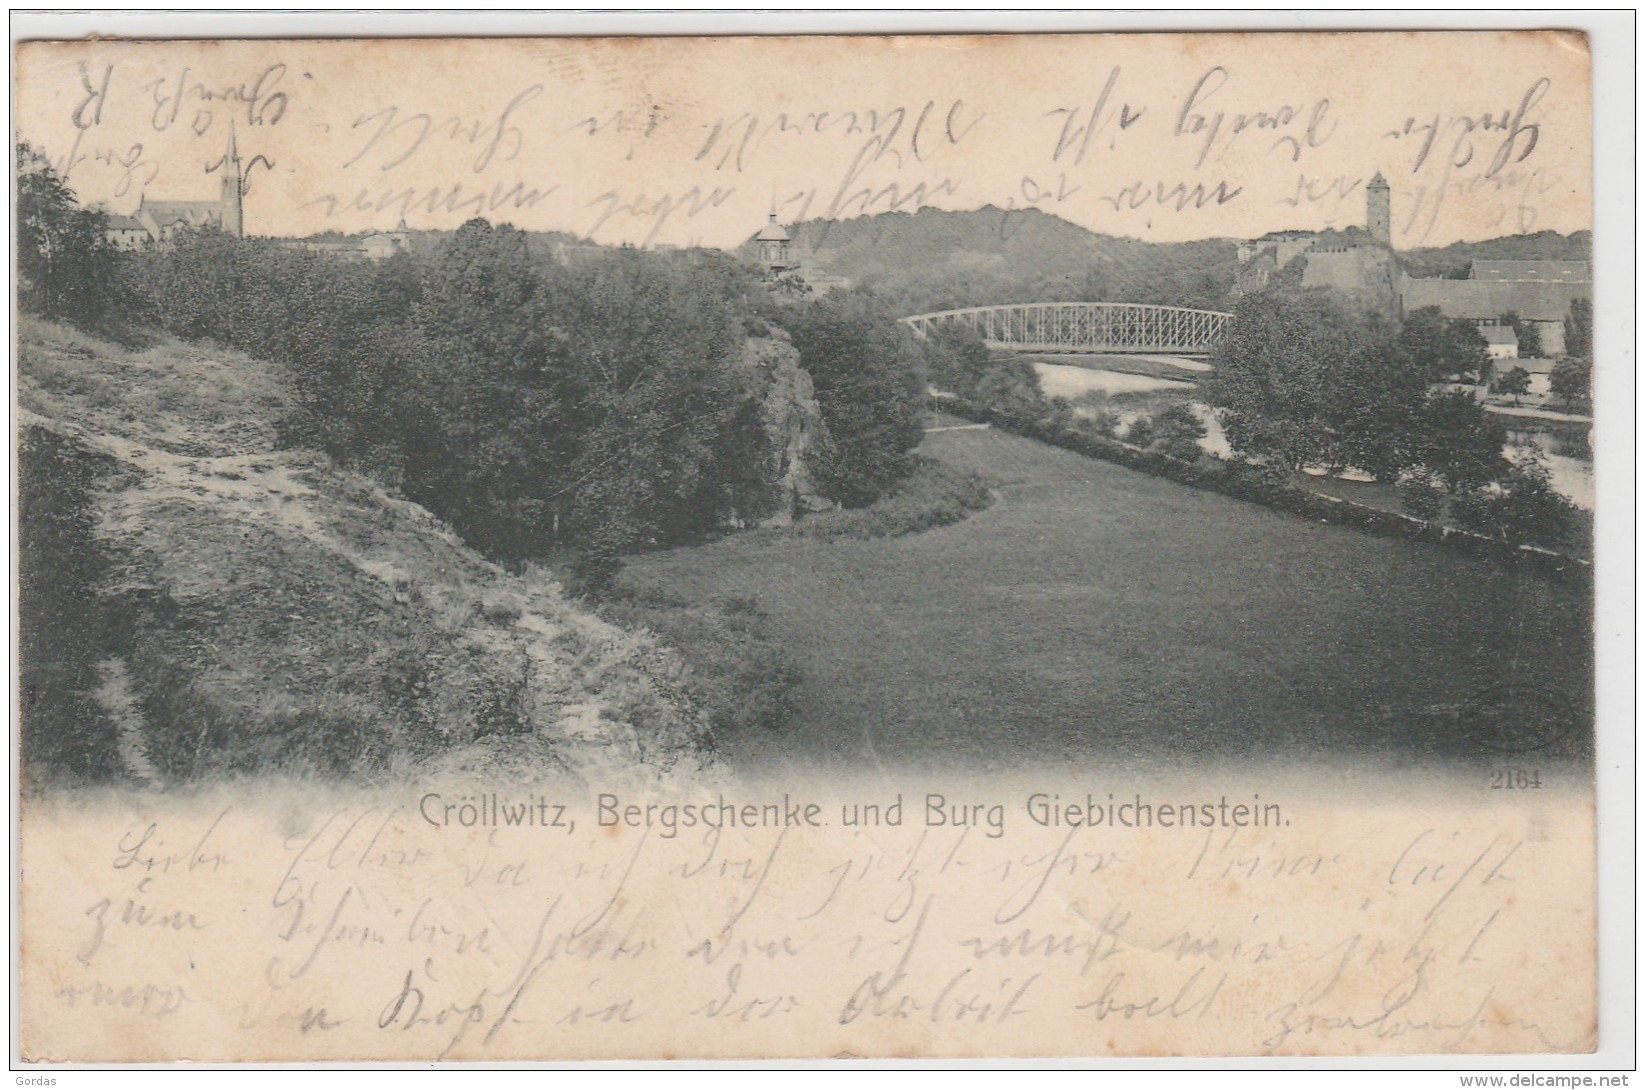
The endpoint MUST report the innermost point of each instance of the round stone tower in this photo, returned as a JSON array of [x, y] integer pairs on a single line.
[[1378, 216]]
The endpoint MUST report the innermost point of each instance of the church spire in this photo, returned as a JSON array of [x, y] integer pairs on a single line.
[[232, 209]]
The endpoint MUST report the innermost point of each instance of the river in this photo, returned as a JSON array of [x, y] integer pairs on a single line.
[[1572, 478]]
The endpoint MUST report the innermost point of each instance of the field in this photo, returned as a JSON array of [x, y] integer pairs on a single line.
[[1094, 615]]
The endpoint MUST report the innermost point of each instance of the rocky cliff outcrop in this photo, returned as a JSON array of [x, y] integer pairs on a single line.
[[794, 430]]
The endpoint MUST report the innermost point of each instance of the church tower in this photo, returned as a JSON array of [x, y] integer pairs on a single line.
[[1378, 216], [233, 213]]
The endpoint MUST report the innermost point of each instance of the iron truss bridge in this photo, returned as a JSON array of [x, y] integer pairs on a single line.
[[1085, 327]]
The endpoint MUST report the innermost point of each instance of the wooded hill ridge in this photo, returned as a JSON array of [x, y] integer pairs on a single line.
[[936, 260]]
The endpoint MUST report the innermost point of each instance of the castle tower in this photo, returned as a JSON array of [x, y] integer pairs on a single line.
[[773, 246], [233, 214], [1378, 216]]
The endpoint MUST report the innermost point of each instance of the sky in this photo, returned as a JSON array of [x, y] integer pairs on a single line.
[[694, 141]]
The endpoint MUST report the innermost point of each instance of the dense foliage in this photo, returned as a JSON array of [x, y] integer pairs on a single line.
[[867, 372], [604, 404], [1579, 328], [65, 265], [958, 362], [1306, 380], [1571, 381], [1443, 347], [1528, 334], [1520, 509]]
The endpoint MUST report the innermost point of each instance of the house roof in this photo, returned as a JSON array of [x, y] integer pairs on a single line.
[[126, 223], [1518, 270], [1482, 300], [1499, 334], [181, 211], [772, 232]]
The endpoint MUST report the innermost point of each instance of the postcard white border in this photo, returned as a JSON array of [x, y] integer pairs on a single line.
[[1612, 40]]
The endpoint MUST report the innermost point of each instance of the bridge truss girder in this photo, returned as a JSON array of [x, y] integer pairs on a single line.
[[1085, 327]]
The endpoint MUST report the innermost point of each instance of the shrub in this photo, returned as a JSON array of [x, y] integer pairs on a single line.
[[933, 495], [738, 674], [1177, 432], [1522, 509], [66, 267], [65, 734], [1422, 494]]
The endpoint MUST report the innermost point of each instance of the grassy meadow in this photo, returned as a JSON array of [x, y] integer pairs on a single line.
[[1097, 616]]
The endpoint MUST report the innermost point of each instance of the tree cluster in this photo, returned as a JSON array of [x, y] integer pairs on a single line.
[[604, 404], [1307, 380], [957, 361], [868, 374], [65, 265], [1444, 348]]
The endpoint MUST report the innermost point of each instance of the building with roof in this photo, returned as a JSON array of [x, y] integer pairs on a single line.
[[772, 244], [126, 232], [1532, 272], [158, 221], [1540, 293], [1501, 342], [1355, 261]]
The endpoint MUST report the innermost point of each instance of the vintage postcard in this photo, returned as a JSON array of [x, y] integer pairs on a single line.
[[911, 547]]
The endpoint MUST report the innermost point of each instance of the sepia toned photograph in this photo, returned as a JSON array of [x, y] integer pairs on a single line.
[[1043, 547]]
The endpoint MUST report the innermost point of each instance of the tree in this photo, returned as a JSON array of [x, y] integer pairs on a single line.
[[1460, 444], [1442, 346], [1304, 379], [1173, 430], [1521, 509], [1570, 380], [1516, 382], [665, 417], [865, 367], [1528, 333], [1579, 328], [65, 263], [1422, 495], [956, 358], [1011, 386], [790, 285]]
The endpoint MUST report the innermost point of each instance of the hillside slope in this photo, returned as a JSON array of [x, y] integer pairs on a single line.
[[199, 601], [934, 259], [1453, 260]]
